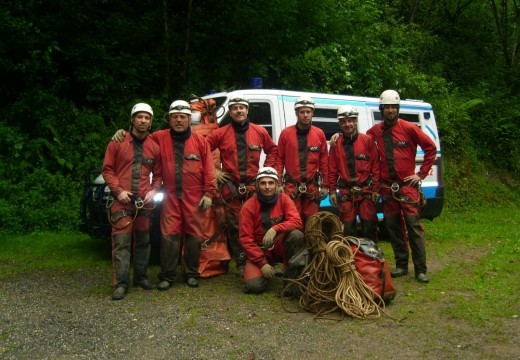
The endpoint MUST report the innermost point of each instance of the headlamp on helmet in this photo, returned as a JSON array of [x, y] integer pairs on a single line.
[[267, 172], [304, 101], [238, 100], [347, 111], [180, 106]]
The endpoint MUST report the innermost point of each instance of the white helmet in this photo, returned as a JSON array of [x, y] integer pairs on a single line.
[[347, 111], [267, 172], [180, 106], [304, 101], [141, 107], [389, 97], [238, 100]]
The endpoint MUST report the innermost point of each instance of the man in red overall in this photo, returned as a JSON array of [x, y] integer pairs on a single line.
[[126, 171], [397, 142], [270, 232], [189, 185], [240, 144], [302, 151], [354, 171]]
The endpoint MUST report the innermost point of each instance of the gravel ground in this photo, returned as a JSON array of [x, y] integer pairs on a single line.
[[69, 315]]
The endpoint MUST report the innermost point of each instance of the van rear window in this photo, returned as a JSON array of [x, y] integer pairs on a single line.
[[259, 113], [413, 118]]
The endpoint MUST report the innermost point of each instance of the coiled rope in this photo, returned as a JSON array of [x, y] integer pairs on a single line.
[[330, 282]]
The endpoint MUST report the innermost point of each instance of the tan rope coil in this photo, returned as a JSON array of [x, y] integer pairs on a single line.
[[331, 282]]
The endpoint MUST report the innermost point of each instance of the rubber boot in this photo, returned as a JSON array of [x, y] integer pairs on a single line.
[[170, 248], [234, 246], [417, 243], [297, 258], [192, 258], [395, 233], [121, 259], [141, 259]]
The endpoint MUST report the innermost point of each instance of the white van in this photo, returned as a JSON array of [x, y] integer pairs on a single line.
[[274, 110]]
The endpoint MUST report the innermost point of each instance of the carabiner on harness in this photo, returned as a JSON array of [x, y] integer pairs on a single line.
[[139, 203], [394, 187], [242, 189], [302, 188], [110, 201]]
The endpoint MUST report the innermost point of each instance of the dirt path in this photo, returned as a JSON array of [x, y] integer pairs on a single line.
[[70, 316]]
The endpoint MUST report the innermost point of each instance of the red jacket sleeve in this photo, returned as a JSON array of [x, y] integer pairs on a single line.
[[109, 167], [247, 222], [429, 148]]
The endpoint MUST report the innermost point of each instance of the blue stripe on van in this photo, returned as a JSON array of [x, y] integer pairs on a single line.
[[431, 131], [429, 192], [355, 103], [421, 152]]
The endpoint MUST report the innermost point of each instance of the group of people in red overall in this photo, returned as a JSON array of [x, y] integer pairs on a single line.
[[266, 207]]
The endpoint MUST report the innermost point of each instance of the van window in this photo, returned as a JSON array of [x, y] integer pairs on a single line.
[[413, 118], [327, 121], [259, 113]]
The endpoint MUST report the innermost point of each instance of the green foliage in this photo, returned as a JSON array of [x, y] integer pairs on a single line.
[[71, 70]]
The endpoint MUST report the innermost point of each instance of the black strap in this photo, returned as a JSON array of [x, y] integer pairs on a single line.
[[213, 237], [136, 166], [241, 154], [178, 151], [348, 146], [302, 154], [388, 140], [265, 215]]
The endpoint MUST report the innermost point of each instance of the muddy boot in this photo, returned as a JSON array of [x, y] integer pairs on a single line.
[[170, 248], [191, 260], [121, 259], [297, 258], [395, 233], [141, 258], [417, 244]]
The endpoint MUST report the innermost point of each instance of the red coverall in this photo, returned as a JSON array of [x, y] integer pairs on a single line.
[[354, 163], [127, 167], [240, 148], [255, 219], [397, 147], [188, 174], [303, 154]]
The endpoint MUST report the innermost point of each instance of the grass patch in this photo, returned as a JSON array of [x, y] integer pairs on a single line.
[[55, 251], [480, 251]]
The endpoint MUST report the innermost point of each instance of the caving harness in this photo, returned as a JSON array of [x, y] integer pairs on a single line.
[[355, 192], [137, 206], [395, 186], [301, 188]]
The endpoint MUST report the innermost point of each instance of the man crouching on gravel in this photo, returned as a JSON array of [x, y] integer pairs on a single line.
[[270, 232], [126, 170]]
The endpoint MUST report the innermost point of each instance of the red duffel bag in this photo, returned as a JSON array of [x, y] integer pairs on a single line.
[[371, 264]]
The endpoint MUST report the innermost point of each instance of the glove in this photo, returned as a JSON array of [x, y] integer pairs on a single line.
[[323, 193], [334, 199], [119, 136], [269, 238], [205, 203], [268, 271], [376, 197], [280, 189], [222, 177]]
